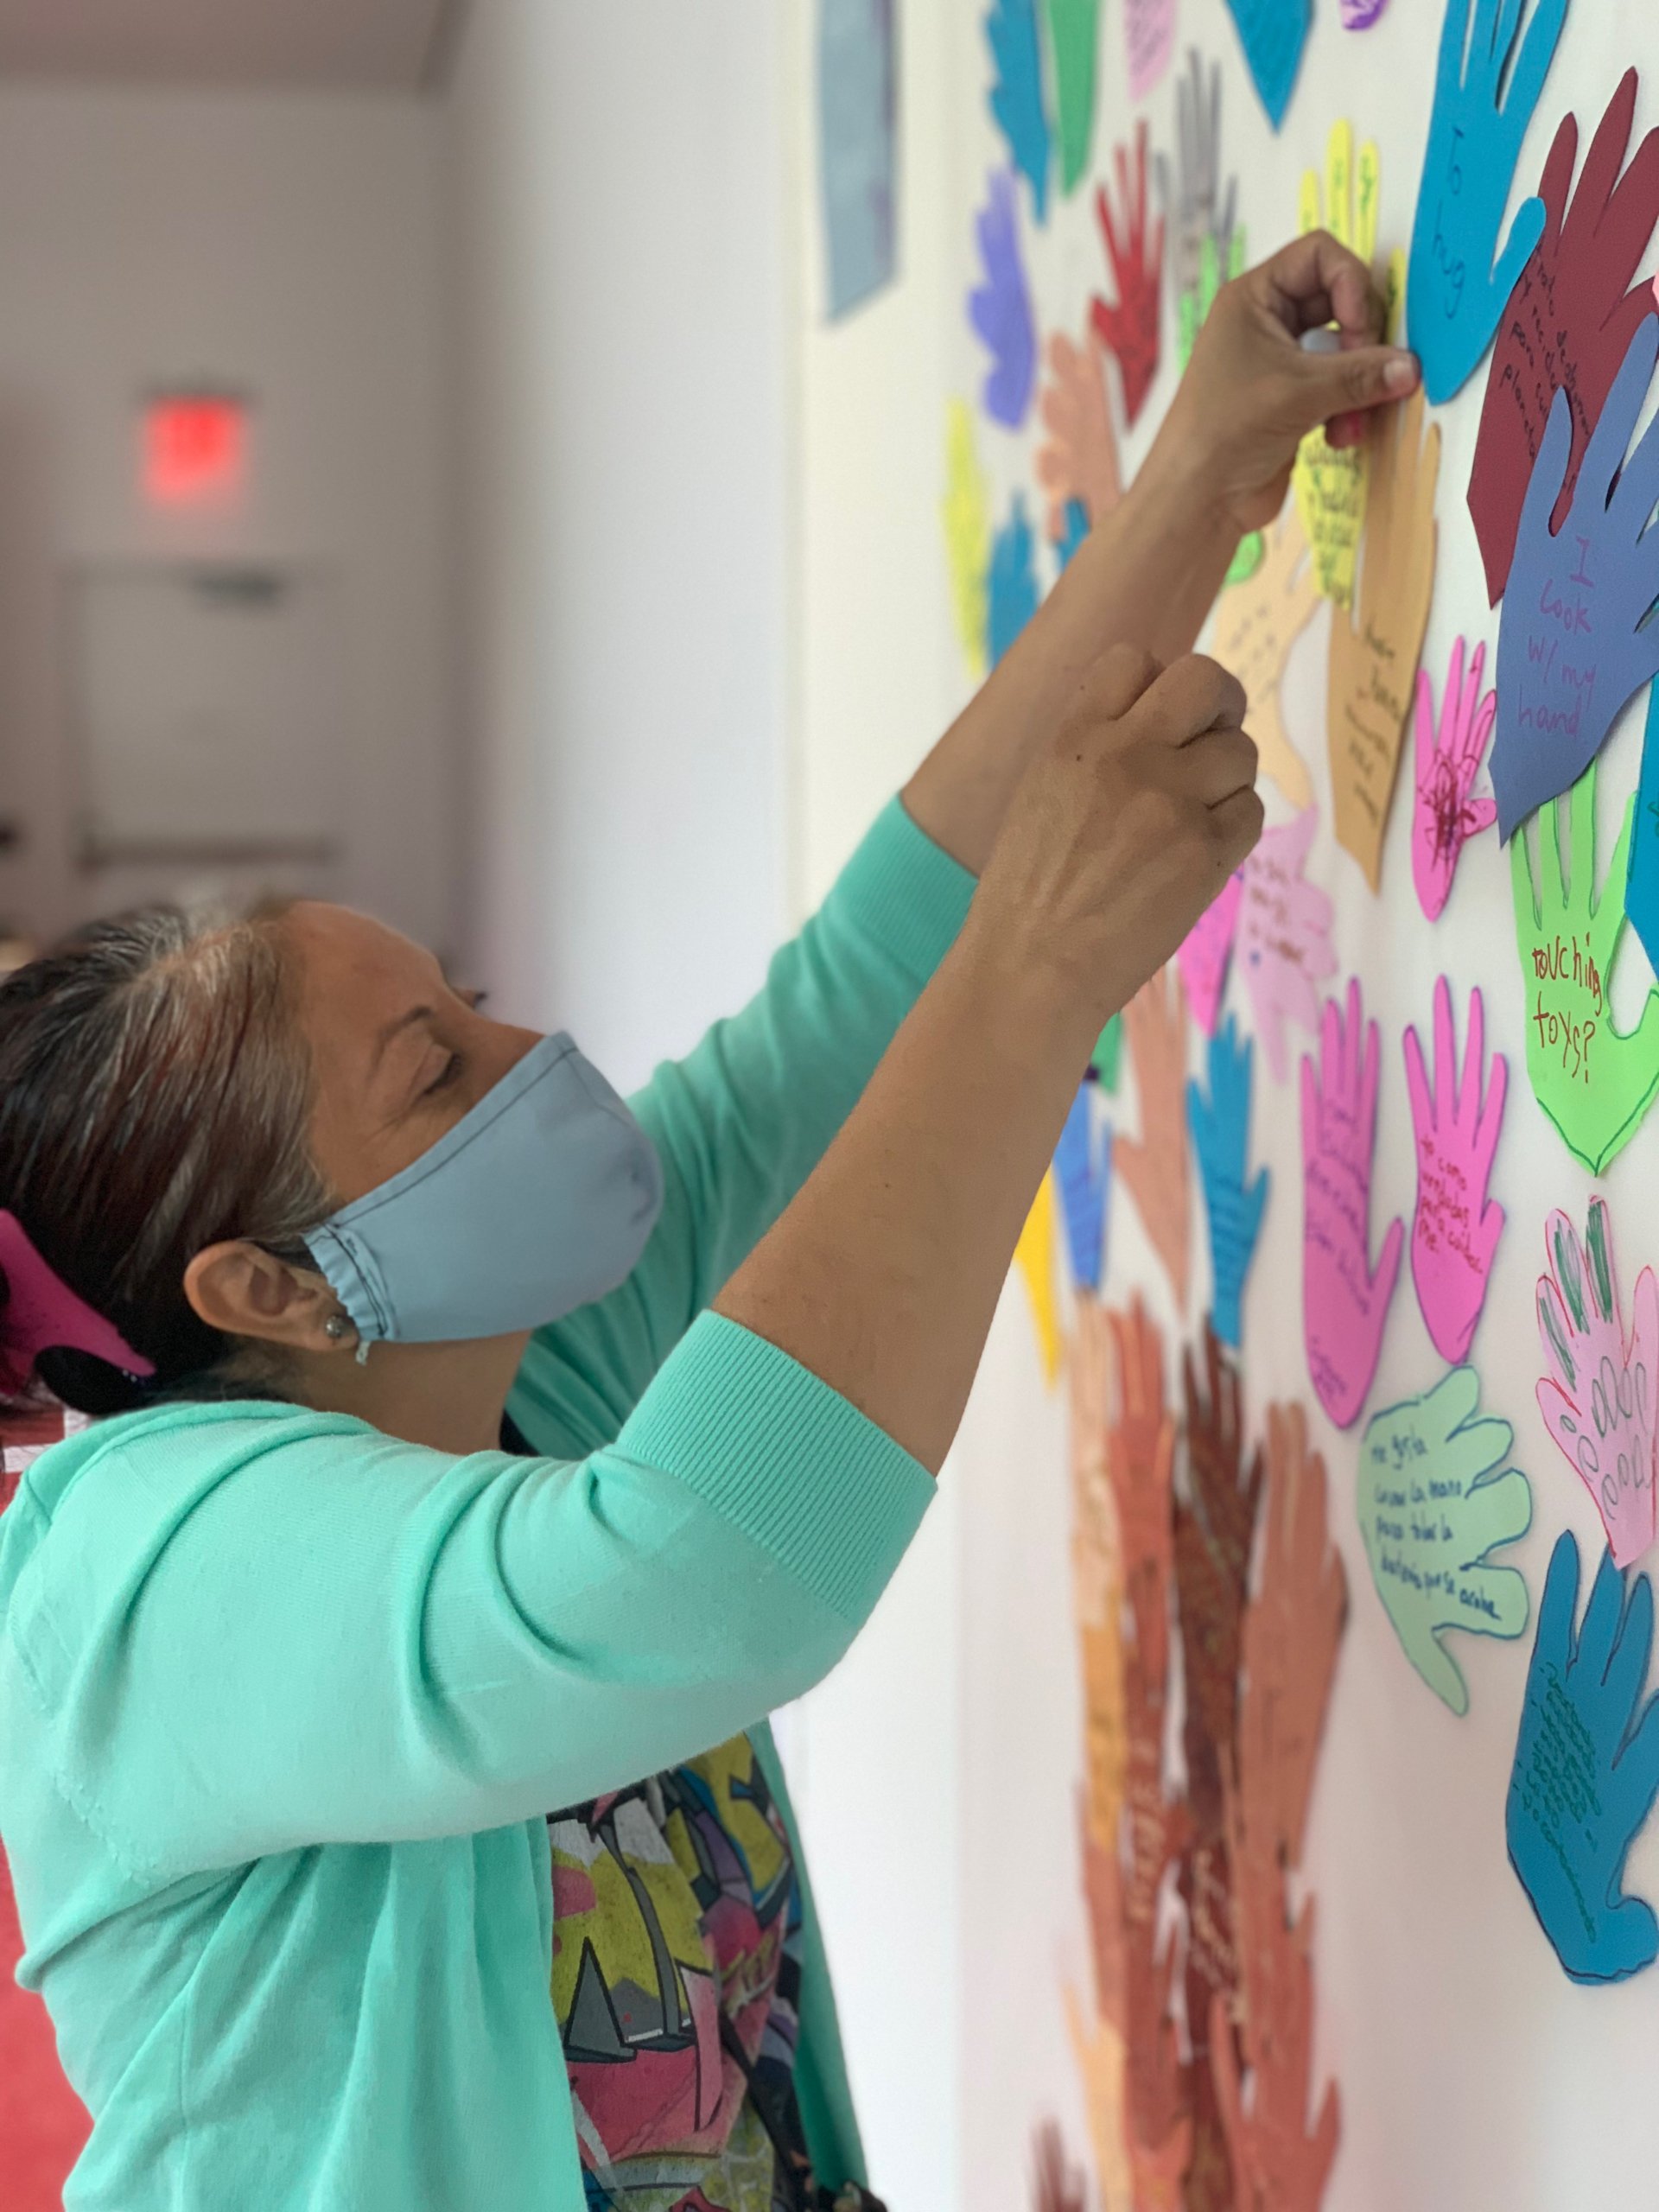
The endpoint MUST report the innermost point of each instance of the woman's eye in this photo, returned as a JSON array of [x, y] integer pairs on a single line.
[[452, 1068]]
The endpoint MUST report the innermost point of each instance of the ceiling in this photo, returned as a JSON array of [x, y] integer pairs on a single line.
[[390, 45]]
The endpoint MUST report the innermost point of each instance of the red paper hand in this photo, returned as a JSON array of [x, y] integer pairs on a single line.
[[1569, 321], [1130, 326]]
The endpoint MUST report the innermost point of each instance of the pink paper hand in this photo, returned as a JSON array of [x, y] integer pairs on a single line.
[[1345, 1303], [1445, 816], [1206, 950], [1598, 1401], [1284, 938], [1455, 1230]]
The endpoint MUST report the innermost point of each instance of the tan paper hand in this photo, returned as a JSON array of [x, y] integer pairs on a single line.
[[1292, 1629], [1102, 2061], [1078, 459], [1097, 1573], [1155, 1169], [1278, 2166], [1140, 1461], [1257, 622], [1375, 649]]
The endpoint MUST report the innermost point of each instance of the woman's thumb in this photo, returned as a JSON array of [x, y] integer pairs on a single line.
[[1352, 383]]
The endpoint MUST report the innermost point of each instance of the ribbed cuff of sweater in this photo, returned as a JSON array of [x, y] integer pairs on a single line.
[[904, 891], [785, 1459]]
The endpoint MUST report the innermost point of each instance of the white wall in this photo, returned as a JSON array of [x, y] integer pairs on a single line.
[[622, 287], [289, 244]]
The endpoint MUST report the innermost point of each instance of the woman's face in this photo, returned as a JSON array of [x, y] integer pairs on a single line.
[[399, 1054]]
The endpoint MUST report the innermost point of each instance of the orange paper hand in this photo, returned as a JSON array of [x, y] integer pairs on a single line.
[[1078, 459], [1292, 1629], [1375, 649], [1257, 622], [1140, 1460], [1155, 1170]]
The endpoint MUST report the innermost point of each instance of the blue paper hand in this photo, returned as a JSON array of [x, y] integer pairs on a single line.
[[1012, 589], [1586, 1770], [1011, 32], [1273, 33], [1571, 646], [999, 308], [1642, 884], [1082, 1168], [1077, 529], [1221, 1135], [1454, 297]]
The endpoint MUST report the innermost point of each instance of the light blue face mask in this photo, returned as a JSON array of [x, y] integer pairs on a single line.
[[539, 1200]]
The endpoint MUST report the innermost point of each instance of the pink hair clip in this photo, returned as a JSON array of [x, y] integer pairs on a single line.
[[41, 1313]]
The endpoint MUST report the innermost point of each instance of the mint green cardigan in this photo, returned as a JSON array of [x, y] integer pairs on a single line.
[[285, 1701]]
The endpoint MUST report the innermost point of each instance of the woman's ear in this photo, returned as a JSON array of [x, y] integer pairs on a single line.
[[242, 1290]]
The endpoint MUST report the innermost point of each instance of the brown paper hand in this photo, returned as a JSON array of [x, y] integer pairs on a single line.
[[1292, 1628], [1257, 622], [1375, 649], [1214, 1538], [1155, 1169], [1057, 2186]]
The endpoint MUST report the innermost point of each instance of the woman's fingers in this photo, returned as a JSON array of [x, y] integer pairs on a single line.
[[1351, 383], [1220, 763], [1314, 280]]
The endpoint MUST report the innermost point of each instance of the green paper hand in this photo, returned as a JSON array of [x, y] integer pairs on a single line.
[[1594, 1083], [1430, 1508], [1074, 39], [1191, 316], [1107, 1059]]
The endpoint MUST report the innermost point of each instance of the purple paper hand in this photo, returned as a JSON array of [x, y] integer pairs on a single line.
[[1448, 760], [1284, 938], [999, 308], [1598, 1401], [1572, 646], [1360, 15], [1344, 1303], [1455, 1230]]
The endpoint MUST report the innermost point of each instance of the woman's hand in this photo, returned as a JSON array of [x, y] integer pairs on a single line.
[[1123, 830], [1253, 390]]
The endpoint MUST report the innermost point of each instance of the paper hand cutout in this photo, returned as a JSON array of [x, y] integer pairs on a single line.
[[1203, 212], [1057, 2186], [1360, 15], [1215, 1538], [1011, 590], [1082, 1168], [1149, 41], [999, 308], [1374, 650], [1586, 1770], [1284, 938], [1594, 1083], [1345, 1303], [1140, 1464], [1276, 2162], [1432, 1506], [1034, 1257], [1257, 622], [1077, 462], [966, 512], [1155, 1170], [1571, 647], [1329, 482], [1599, 1399], [1292, 1629], [1074, 41], [1205, 952], [1107, 1053], [1220, 1136], [1641, 881], [1129, 327], [1273, 33], [1569, 323], [1097, 2050], [1454, 295], [1455, 1230], [1016, 96], [1445, 815]]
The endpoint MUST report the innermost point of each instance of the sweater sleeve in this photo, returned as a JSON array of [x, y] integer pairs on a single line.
[[299, 1632], [740, 1123]]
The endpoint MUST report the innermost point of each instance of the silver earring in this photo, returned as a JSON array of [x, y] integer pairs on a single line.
[[336, 1328]]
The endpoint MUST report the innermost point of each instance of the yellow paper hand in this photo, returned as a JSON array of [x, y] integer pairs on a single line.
[[967, 511], [1257, 622], [1034, 1257], [1098, 2049], [1375, 650]]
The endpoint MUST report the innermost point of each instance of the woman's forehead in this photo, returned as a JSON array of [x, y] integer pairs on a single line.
[[349, 961]]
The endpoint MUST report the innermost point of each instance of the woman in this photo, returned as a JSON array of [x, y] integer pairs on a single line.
[[474, 1447]]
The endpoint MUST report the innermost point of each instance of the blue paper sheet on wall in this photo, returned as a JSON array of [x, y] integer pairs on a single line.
[[858, 132]]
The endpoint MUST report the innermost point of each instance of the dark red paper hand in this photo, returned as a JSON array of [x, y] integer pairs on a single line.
[[1130, 326], [1568, 323]]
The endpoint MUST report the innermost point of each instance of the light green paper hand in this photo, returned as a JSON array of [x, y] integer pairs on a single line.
[[1191, 314], [1074, 41], [1594, 1083], [1430, 1508], [1107, 1057]]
